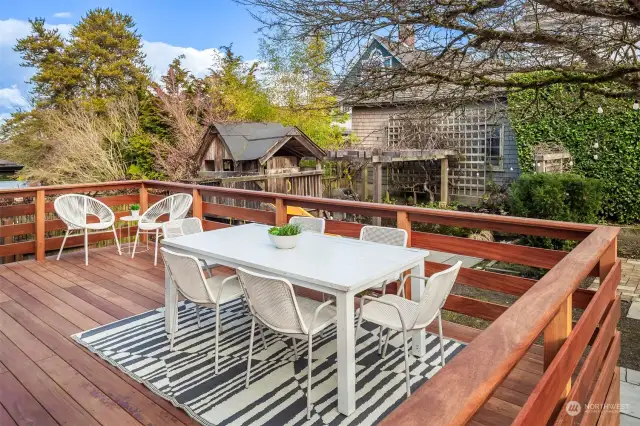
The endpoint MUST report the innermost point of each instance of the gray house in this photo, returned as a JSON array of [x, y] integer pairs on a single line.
[[479, 133]]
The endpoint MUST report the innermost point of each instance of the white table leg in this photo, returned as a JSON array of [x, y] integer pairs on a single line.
[[346, 354], [170, 303], [417, 287]]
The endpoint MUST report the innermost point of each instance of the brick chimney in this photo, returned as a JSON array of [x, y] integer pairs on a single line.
[[407, 35]]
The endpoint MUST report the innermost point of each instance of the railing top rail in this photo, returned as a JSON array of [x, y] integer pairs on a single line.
[[556, 229], [473, 375], [528, 226]]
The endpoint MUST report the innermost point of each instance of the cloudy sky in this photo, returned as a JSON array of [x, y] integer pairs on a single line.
[[195, 28]]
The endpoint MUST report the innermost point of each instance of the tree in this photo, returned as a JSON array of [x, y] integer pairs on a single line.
[[101, 61], [297, 78], [470, 49]]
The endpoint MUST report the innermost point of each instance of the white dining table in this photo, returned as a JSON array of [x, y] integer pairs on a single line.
[[342, 267]]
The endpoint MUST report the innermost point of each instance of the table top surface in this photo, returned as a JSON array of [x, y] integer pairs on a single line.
[[334, 262], [130, 218]]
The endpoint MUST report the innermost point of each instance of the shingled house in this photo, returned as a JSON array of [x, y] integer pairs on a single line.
[[484, 140], [262, 156]]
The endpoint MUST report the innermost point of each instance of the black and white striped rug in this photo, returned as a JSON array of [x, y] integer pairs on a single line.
[[139, 346]]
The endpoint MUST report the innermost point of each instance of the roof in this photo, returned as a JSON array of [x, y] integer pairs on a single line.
[[259, 141], [9, 166]]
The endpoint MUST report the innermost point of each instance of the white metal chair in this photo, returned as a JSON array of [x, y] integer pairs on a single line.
[[384, 235], [176, 206], [397, 313], [186, 226], [311, 224], [273, 303], [186, 274], [74, 210]]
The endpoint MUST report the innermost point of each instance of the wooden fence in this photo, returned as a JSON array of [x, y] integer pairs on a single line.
[[544, 307]]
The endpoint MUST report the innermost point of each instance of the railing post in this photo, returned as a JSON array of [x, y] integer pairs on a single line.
[[197, 204], [40, 222], [144, 205], [555, 335], [608, 260], [403, 222], [281, 212]]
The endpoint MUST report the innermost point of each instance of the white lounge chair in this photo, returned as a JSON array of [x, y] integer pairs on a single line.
[[397, 313], [74, 209], [186, 274], [176, 206], [310, 224], [273, 303]]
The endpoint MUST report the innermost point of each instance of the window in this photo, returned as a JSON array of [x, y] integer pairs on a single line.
[[378, 59], [227, 165], [495, 145]]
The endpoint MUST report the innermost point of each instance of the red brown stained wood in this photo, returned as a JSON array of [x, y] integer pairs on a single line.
[[5, 418], [39, 220], [57, 402], [232, 212], [586, 377], [555, 334], [21, 405], [479, 368], [512, 253], [611, 417], [281, 212], [404, 223], [197, 204], [603, 384], [547, 394]]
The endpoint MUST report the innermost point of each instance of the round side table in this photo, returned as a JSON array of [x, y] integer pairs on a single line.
[[128, 246]]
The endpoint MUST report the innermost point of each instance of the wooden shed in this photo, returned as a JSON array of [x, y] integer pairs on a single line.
[[263, 156]]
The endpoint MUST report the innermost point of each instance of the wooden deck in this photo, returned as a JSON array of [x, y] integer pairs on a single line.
[[47, 379]]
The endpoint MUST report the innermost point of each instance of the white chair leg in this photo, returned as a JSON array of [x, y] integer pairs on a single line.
[[264, 342], [173, 337], [386, 344], [64, 240], [441, 337], [135, 243], [155, 257], [380, 340], [406, 362], [86, 247], [218, 336], [198, 314], [116, 238], [295, 348], [253, 329], [309, 368]]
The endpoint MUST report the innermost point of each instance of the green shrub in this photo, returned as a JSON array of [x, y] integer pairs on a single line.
[[564, 115], [556, 196]]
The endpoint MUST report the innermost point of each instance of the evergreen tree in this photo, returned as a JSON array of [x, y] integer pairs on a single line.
[[102, 60]]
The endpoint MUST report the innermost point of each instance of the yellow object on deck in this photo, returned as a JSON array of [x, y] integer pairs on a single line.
[[298, 211]]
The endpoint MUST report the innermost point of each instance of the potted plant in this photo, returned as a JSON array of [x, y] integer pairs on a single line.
[[286, 236], [135, 210]]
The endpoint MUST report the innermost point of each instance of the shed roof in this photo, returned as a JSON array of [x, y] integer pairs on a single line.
[[253, 141]]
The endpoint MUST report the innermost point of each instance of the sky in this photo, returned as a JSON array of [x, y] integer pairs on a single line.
[[195, 28]]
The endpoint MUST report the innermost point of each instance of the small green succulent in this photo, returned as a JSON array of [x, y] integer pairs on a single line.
[[285, 230]]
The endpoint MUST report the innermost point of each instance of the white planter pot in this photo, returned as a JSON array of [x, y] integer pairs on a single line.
[[135, 213], [287, 242]]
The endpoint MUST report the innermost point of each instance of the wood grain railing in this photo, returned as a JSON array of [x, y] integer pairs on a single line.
[[543, 306]]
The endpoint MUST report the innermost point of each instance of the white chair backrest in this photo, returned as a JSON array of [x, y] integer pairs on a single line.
[[176, 206], [273, 301], [311, 224], [187, 276], [180, 227], [435, 294], [384, 235], [73, 209]]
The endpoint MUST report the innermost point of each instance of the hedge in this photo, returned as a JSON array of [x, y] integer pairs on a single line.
[[562, 115]]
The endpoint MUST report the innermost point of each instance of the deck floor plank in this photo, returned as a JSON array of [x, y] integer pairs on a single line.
[[21, 405]]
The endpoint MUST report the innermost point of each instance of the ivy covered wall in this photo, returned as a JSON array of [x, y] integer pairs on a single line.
[[605, 145]]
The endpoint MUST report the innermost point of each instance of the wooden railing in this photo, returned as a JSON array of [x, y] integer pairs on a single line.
[[544, 306]]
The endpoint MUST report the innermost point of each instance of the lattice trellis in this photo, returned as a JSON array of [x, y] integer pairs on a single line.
[[475, 134]]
